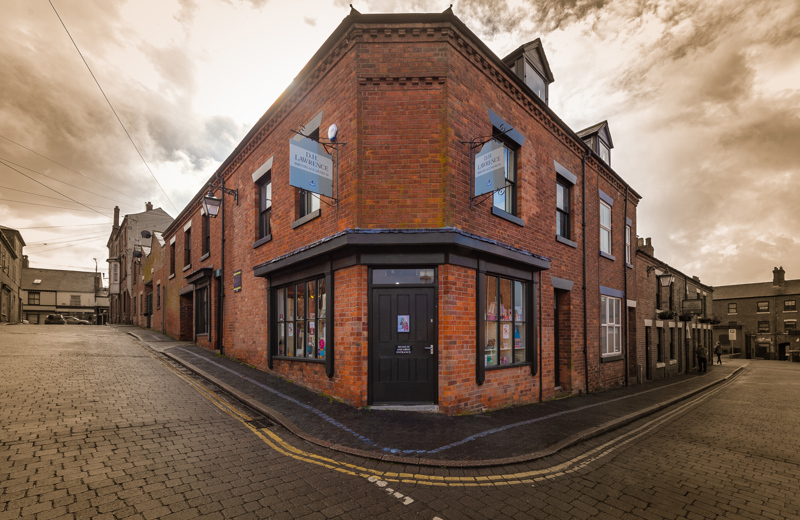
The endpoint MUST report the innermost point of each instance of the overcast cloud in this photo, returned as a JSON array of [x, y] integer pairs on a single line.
[[701, 97]]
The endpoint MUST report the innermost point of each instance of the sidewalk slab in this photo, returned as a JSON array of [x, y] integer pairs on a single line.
[[503, 436]]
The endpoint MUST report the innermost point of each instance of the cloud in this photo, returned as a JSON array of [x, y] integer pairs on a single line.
[[310, 21]]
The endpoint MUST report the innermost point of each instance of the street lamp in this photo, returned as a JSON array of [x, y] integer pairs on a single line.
[[212, 204]]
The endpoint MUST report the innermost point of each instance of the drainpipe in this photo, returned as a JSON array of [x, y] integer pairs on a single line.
[[221, 292], [625, 288], [585, 317]]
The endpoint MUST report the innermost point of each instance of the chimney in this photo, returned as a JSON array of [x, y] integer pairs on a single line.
[[148, 206], [646, 246], [25, 263], [116, 216], [778, 277]]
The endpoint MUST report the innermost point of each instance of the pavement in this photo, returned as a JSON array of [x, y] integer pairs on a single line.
[[506, 436]]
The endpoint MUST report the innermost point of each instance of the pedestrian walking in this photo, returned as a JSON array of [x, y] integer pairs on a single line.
[[718, 352], [702, 362]]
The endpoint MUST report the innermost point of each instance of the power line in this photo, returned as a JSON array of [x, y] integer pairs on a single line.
[[49, 188], [70, 169], [75, 243], [56, 239], [112, 107], [91, 269], [53, 227], [55, 207], [34, 194], [63, 182]]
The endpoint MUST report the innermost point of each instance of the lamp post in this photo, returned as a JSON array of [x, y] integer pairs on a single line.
[[213, 206]]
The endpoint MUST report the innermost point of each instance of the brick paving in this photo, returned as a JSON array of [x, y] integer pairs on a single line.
[[95, 426]]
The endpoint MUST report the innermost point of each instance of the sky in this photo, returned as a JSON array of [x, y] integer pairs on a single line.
[[702, 100]]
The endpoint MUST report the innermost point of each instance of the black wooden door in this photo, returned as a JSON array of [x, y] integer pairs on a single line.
[[403, 346]]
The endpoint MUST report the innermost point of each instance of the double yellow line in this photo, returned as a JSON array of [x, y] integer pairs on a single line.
[[532, 477]]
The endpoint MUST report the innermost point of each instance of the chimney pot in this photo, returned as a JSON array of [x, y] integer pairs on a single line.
[[778, 277], [148, 206], [116, 216]]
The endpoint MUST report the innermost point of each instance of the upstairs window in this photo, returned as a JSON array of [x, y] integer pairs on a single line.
[[172, 258], [732, 308], [763, 307], [265, 205], [34, 297], [763, 326], [187, 247], [506, 199], [789, 305], [563, 210], [605, 228], [628, 247], [206, 234], [604, 152]]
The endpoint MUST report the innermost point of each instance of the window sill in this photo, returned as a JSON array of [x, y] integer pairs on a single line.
[[261, 241], [566, 241], [673, 361], [606, 255], [170, 277], [790, 311], [187, 267], [515, 365], [205, 256], [611, 358], [660, 364], [201, 334], [497, 212], [301, 359], [308, 218], [629, 266]]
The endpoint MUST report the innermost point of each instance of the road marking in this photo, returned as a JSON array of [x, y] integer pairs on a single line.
[[277, 443]]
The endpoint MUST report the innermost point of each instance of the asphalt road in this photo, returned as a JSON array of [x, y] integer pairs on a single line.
[[96, 426]]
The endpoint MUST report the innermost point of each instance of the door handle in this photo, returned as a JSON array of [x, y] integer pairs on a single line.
[[430, 349]]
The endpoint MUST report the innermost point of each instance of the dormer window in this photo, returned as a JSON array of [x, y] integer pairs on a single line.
[[604, 152], [535, 81]]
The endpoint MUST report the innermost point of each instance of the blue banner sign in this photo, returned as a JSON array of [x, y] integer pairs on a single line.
[[310, 168], [490, 168]]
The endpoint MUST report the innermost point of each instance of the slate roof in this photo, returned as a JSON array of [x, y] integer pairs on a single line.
[[57, 280], [756, 290]]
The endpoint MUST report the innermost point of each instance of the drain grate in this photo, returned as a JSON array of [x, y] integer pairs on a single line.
[[261, 422]]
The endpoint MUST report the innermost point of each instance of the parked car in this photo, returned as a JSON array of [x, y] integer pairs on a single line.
[[57, 319], [72, 320]]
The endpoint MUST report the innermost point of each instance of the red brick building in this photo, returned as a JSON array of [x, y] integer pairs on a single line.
[[403, 287], [675, 316]]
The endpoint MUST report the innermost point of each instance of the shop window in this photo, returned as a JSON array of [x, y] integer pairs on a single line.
[[763, 306], [34, 297], [301, 320], [505, 322], [75, 300], [505, 199], [763, 326], [563, 210], [265, 205], [605, 228], [789, 305], [732, 308], [610, 325], [201, 310]]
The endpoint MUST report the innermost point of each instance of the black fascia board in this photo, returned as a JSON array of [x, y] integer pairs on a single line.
[[203, 272], [404, 238]]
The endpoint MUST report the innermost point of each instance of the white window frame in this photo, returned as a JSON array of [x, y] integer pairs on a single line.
[[605, 230], [610, 325], [627, 244]]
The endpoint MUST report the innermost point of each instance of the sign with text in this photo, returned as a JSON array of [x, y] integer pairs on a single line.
[[693, 306], [490, 168], [732, 334], [310, 168], [237, 281]]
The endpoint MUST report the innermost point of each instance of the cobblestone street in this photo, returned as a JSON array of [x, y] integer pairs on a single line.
[[94, 425]]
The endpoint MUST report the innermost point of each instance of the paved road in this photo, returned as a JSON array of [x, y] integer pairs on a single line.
[[96, 426]]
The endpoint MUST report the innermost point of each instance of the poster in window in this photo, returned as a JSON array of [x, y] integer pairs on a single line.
[[506, 330], [403, 323], [237, 281]]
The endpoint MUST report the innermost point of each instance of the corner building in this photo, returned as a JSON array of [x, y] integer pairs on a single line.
[[404, 288]]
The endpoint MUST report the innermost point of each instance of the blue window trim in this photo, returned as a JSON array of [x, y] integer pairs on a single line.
[[499, 123], [606, 198], [565, 173], [608, 291]]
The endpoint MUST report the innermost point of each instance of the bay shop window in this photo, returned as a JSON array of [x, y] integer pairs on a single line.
[[505, 312], [301, 324]]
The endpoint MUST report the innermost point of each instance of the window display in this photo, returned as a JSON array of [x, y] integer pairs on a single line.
[[300, 312], [504, 322]]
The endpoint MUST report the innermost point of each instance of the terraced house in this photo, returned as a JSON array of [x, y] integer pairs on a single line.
[[411, 224]]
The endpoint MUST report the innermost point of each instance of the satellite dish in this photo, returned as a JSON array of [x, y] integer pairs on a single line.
[[332, 131]]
